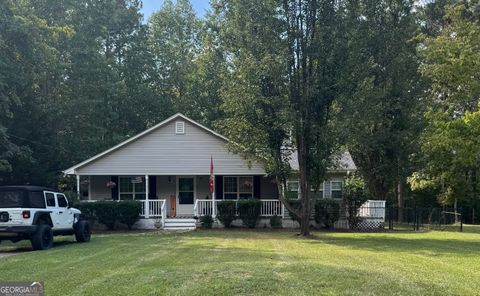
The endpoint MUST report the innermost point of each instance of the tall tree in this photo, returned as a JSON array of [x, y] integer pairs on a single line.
[[32, 81], [380, 113], [86, 82], [451, 141], [285, 59], [174, 41]]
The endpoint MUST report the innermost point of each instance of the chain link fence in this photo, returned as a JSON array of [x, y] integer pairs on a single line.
[[418, 219]]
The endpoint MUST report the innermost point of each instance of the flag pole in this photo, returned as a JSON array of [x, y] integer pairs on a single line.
[[212, 188]]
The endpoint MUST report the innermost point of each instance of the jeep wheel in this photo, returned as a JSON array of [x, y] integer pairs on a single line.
[[82, 232], [42, 239]]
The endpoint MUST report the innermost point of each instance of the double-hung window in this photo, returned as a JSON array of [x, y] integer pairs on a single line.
[[336, 189], [237, 187], [132, 188], [293, 189]]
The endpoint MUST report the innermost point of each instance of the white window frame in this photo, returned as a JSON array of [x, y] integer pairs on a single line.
[[54, 199], [57, 197], [298, 187], [293, 181], [331, 187], [180, 127], [133, 193], [237, 192]]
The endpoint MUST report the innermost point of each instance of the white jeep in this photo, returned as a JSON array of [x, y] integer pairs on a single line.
[[37, 214]]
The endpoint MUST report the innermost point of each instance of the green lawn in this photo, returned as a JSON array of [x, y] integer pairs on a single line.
[[236, 262]]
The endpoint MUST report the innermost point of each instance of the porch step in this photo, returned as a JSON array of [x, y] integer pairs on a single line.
[[180, 224], [180, 220]]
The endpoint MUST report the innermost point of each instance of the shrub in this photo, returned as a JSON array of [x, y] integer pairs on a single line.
[[107, 213], [207, 221], [87, 209], [226, 212], [129, 212], [355, 194], [249, 211], [327, 212], [276, 222]]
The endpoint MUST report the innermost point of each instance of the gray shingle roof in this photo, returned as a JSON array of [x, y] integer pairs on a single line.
[[342, 162]]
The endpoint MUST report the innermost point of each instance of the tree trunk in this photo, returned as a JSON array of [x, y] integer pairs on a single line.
[[304, 184], [281, 196], [400, 199]]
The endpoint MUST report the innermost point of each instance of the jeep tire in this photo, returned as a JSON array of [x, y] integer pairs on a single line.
[[42, 239], [82, 231]]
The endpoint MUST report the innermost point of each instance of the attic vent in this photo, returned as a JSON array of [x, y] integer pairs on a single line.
[[179, 127]]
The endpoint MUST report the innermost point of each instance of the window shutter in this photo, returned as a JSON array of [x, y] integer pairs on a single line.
[[256, 186], [152, 187], [115, 188], [218, 187]]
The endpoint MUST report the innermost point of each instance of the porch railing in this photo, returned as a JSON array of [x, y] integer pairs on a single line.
[[270, 207], [203, 207], [156, 208], [372, 209]]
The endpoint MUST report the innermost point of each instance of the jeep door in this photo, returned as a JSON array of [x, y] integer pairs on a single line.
[[52, 207], [65, 214]]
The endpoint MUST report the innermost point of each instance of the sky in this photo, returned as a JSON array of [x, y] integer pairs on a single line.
[[150, 6]]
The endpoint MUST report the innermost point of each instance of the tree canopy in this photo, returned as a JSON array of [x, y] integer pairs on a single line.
[[396, 83]]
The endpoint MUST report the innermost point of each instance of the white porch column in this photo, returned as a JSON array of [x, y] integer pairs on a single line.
[[214, 208], [147, 203], [78, 186], [89, 188]]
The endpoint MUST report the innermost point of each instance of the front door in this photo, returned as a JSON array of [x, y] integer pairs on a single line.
[[186, 195]]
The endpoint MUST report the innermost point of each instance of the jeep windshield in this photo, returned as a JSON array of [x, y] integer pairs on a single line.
[[21, 199]]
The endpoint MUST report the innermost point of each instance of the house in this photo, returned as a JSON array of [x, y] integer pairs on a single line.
[[167, 168]]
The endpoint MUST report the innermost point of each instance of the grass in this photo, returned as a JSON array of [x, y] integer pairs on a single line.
[[241, 262]]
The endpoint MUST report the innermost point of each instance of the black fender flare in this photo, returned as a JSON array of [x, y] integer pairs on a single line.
[[43, 214]]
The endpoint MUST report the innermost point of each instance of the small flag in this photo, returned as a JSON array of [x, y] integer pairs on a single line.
[[211, 175]]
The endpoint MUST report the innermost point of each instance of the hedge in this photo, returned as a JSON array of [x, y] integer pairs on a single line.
[[110, 212], [207, 221], [249, 211], [129, 212], [327, 212], [226, 212]]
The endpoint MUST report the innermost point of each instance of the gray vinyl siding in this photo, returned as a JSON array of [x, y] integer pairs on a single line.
[[162, 152], [203, 187]]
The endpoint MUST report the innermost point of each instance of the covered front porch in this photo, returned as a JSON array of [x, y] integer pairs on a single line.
[[180, 196]]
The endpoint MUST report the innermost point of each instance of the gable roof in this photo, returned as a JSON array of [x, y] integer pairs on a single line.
[[341, 163], [72, 169]]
